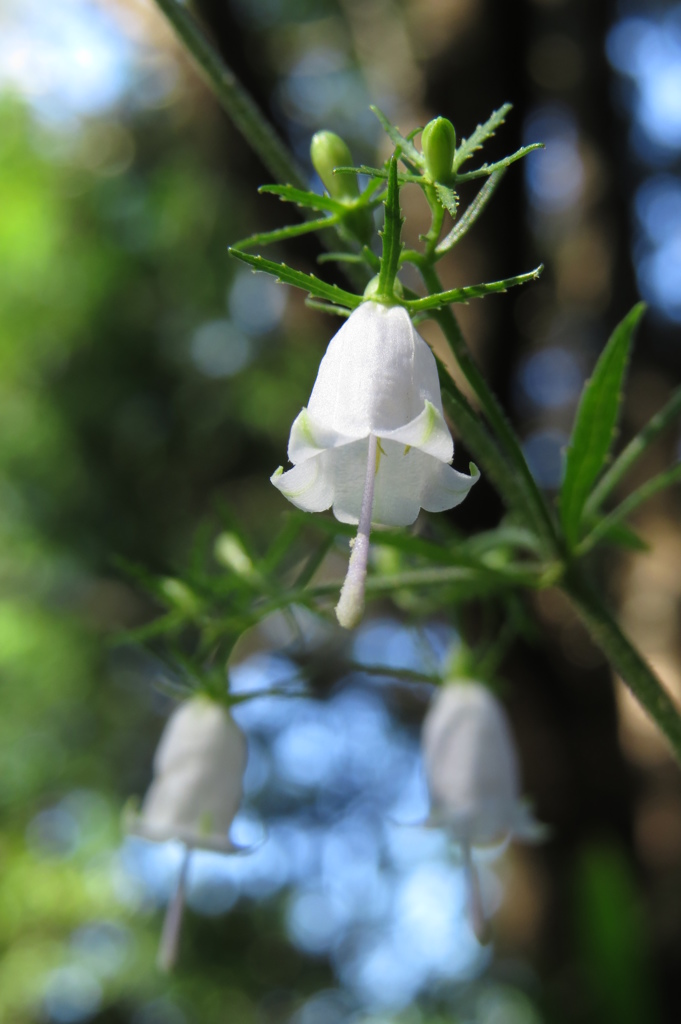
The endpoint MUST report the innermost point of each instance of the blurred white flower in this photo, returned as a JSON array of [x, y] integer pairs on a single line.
[[194, 796], [372, 443], [473, 777], [198, 778]]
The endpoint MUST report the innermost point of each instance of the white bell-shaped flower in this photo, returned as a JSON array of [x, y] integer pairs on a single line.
[[372, 443], [196, 791], [198, 778], [473, 778]]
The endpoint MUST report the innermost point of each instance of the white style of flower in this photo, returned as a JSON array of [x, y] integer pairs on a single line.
[[194, 796], [473, 778], [372, 443]]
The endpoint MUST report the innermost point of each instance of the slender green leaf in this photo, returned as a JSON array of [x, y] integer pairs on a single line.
[[474, 291], [488, 169], [390, 235], [405, 144], [448, 198], [311, 200], [291, 231], [633, 451], [594, 429], [629, 505], [382, 172], [483, 132], [622, 536], [308, 282], [471, 214]]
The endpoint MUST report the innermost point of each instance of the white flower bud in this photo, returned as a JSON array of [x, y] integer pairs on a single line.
[[198, 778]]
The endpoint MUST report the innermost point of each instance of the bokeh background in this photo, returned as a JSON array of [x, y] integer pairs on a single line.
[[146, 382]]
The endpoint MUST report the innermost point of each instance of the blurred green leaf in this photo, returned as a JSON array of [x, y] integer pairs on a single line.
[[613, 941]]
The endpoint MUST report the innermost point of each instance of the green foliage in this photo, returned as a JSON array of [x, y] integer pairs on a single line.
[[308, 282], [593, 432], [613, 942]]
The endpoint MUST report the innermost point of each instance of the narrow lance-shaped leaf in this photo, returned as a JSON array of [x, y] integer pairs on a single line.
[[471, 214], [480, 135], [474, 291], [408, 149], [308, 282], [291, 231], [633, 452], [392, 246], [595, 424], [629, 505], [382, 172], [310, 200], [488, 169]]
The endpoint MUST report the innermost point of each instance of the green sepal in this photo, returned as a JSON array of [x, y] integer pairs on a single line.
[[474, 291], [595, 423], [308, 282], [448, 198]]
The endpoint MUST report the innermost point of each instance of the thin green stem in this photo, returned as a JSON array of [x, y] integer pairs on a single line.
[[633, 451], [524, 495], [240, 106], [437, 219], [625, 659]]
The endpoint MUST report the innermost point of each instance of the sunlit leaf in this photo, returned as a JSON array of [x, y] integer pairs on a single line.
[[594, 428], [308, 282]]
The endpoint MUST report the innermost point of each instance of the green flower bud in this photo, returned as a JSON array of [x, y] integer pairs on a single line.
[[230, 552], [327, 151], [438, 142], [180, 596]]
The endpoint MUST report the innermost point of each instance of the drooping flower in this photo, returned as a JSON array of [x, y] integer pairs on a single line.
[[372, 443], [195, 794], [473, 777]]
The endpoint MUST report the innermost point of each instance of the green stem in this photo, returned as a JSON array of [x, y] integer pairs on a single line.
[[232, 96], [633, 451], [524, 495], [626, 660]]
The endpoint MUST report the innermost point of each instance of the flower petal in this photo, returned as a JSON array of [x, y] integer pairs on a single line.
[[377, 374], [446, 487], [309, 438], [428, 432], [307, 485]]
